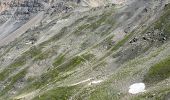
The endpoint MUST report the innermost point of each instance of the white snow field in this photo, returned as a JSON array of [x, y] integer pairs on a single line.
[[137, 88]]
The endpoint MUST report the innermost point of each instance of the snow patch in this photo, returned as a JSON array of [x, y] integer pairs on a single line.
[[95, 82], [137, 88], [89, 80]]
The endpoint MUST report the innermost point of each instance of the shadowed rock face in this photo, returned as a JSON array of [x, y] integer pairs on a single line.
[[84, 49]]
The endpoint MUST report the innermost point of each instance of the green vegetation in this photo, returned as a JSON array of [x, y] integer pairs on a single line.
[[79, 30], [12, 80], [71, 64], [44, 79], [107, 42], [117, 45], [34, 51], [159, 94], [66, 16], [4, 74], [91, 18], [158, 72], [21, 61], [98, 23], [59, 60], [164, 22], [122, 42], [41, 56], [53, 73], [99, 65], [105, 18], [101, 27], [18, 62], [88, 56], [12, 67], [102, 19], [106, 92], [60, 93], [6, 51], [85, 45], [62, 33], [56, 37], [163, 19], [111, 21], [106, 31]]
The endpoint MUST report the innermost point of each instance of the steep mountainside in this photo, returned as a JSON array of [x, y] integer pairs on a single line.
[[84, 49]]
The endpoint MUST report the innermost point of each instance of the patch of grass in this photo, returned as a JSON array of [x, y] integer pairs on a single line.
[[12, 81], [80, 29], [21, 61], [18, 62], [60, 93], [59, 60], [12, 67], [88, 56], [41, 56], [56, 37], [53, 74], [102, 19], [117, 45], [158, 72], [106, 31], [85, 45], [62, 33], [66, 16], [5, 73], [43, 80], [92, 18], [70, 64], [154, 95], [122, 42], [98, 23], [104, 92], [6, 51], [99, 65], [105, 18], [108, 42], [34, 51], [164, 22], [111, 21]]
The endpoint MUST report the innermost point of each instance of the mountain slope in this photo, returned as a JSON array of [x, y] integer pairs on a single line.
[[85, 50]]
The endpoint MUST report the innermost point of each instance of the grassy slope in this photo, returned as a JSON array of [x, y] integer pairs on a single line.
[[61, 65], [156, 73]]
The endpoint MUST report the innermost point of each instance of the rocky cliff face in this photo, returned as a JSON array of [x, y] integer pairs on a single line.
[[84, 49]]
